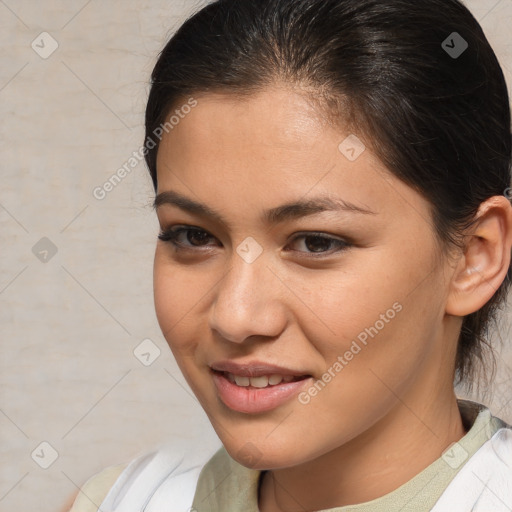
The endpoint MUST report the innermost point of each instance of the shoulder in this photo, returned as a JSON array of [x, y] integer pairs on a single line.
[[94, 491], [485, 481], [147, 483]]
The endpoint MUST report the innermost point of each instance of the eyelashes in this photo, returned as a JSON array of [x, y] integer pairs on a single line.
[[172, 235], [193, 235]]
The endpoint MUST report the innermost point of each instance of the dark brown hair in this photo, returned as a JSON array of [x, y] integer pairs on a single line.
[[439, 121]]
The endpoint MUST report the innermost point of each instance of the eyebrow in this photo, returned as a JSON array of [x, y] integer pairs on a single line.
[[279, 214]]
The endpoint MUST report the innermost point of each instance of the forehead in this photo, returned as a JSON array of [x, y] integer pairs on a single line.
[[271, 147], [276, 116], [276, 132]]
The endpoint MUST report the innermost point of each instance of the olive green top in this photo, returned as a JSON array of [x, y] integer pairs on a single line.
[[225, 485]]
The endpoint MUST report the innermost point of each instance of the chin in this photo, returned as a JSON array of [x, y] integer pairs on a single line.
[[263, 455]]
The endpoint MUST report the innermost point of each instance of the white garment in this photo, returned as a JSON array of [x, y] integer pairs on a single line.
[[156, 482], [484, 484], [162, 481]]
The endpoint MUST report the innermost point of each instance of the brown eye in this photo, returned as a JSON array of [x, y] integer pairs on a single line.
[[317, 243], [194, 237]]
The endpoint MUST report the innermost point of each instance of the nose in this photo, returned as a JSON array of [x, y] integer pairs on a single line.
[[249, 301]]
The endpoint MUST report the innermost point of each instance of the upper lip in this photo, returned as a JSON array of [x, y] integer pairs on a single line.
[[254, 369]]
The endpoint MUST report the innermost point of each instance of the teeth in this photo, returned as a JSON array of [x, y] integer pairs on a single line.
[[258, 382], [242, 381], [275, 379]]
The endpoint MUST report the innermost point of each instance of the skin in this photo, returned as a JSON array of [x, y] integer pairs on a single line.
[[392, 410]]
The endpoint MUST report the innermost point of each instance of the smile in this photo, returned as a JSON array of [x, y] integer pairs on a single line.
[[260, 382], [257, 394]]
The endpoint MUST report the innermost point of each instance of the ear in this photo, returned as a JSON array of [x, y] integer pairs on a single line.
[[486, 259]]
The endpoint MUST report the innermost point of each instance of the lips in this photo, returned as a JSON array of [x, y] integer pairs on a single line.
[[256, 369], [256, 387]]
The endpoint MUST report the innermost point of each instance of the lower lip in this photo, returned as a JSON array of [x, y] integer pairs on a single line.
[[254, 400]]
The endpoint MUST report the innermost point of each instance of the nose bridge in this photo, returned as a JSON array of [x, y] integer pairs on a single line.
[[245, 302]]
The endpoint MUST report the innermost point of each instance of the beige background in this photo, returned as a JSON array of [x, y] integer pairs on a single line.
[[70, 324]]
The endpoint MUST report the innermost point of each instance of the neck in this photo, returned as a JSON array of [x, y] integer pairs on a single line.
[[394, 450]]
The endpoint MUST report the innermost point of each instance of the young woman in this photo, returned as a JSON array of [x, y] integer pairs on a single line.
[[332, 186]]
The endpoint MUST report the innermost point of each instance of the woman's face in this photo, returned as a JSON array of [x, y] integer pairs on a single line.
[[347, 300]]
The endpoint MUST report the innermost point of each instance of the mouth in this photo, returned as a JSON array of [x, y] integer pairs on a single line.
[[256, 388], [260, 382]]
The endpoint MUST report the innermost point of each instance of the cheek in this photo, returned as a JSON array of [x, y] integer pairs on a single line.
[[179, 296], [383, 318], [350, 305]]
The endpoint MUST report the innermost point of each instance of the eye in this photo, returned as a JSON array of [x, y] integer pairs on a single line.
[[189, 238], [193, 235], [319, 243]]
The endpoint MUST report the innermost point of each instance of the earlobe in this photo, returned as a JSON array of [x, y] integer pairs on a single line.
[[486, 259]]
